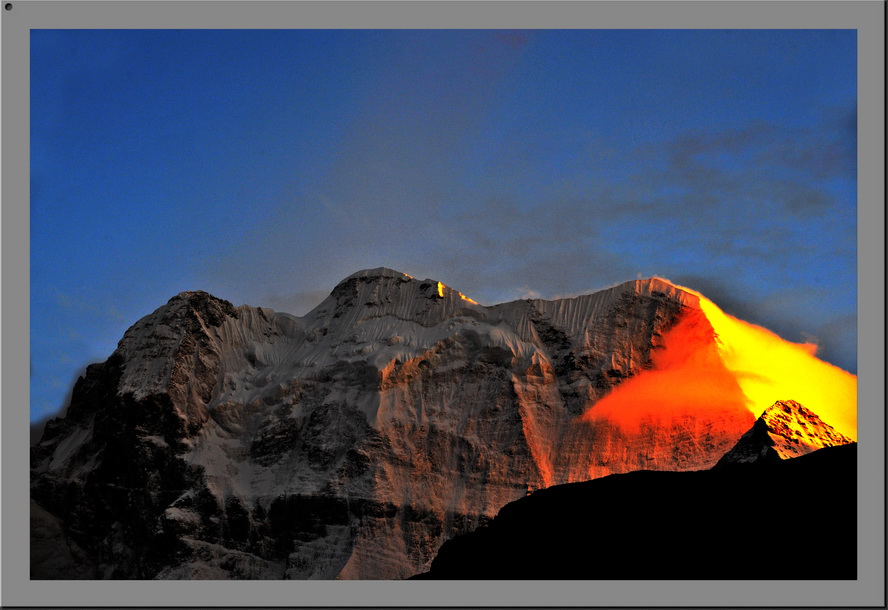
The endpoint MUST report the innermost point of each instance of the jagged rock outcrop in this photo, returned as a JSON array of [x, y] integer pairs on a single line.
[[239, 442], [785, 430]]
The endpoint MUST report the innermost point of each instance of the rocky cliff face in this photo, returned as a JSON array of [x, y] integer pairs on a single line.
[[785, 430], [239, 442]]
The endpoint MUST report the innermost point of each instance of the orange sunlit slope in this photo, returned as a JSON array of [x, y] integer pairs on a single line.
[[687, 377], [710, 360]]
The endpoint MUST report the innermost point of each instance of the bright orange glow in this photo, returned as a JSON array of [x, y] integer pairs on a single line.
[[441, 288], [769, 369], [710, 360], [687, 378]]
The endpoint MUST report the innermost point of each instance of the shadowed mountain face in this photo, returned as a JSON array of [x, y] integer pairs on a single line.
[[786, 520], [239, 442]]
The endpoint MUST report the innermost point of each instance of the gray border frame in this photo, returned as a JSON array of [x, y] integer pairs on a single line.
[[866, 16]]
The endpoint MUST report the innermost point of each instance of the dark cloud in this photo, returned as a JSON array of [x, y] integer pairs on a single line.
[[822, 150], [825, 152], [763, 164], [687, 150]]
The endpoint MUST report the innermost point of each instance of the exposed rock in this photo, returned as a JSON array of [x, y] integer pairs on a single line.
[[785, 430], [53, 555]]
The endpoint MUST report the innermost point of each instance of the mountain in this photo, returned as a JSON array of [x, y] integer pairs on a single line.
[[785, 430], [238, 442], [746, 523]]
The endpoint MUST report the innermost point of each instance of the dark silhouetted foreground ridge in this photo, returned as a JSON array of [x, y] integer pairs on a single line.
[[795, 519]]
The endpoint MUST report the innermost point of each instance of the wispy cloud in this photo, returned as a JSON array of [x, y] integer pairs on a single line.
[[65, 300]]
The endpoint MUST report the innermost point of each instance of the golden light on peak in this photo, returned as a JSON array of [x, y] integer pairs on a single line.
[[710, 359], [440, 289], [687, 378], [769, 368]]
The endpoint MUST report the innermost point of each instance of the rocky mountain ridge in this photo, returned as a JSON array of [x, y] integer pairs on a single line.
[[239, 442]]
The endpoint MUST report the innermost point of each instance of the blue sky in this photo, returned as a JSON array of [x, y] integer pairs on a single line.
[[265, 166]]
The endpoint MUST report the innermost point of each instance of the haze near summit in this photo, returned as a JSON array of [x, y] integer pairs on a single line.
[[266, 166]]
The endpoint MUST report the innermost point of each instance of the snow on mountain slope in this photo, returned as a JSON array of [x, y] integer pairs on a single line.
[[239, 442], [785, 430]]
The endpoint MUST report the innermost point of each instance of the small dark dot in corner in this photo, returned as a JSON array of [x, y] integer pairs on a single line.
[[8, 6]]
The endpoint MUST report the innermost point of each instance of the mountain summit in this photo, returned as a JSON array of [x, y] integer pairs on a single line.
[[785, 430], [239, 442]]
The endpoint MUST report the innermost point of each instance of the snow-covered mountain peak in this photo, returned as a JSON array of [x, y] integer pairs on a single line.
[[785, 430], [183, 314], [377, 272], [211, 308], [660, 286], [385, 276], [383, 292], [792, 420]]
